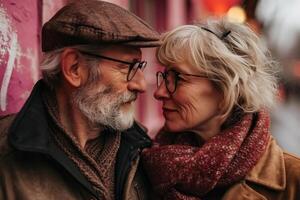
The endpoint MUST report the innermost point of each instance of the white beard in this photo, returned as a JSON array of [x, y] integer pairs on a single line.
[[102, 106]]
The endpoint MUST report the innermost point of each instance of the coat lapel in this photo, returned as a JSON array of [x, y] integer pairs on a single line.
[[241, 191], [268, 172]]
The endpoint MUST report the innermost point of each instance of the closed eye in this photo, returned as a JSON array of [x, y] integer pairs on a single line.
[[122, 66]]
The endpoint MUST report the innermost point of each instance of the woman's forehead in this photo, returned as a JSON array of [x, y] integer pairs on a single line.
[[183, 67]]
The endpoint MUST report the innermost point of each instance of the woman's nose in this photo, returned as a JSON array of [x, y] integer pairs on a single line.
[[161, 92]]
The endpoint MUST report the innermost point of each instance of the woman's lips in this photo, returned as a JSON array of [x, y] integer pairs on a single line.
[[168, 111]]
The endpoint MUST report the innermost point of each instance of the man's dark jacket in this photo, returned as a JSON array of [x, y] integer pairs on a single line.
[[33, 167]]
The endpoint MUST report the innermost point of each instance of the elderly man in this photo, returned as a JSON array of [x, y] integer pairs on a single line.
[[75, 137]]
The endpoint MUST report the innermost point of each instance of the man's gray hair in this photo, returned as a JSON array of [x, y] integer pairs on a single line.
[[50, 65]]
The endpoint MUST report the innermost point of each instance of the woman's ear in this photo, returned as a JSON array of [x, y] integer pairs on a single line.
[[73, 71]]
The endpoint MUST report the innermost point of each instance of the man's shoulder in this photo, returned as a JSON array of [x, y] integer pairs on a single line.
[[137, 135], [142, 131], [6, 120], [140, 127], [5, 123]]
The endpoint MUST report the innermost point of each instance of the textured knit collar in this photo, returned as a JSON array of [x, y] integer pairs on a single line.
[[97, 163]]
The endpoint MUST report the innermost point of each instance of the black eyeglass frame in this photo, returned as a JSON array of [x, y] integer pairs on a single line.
[[141, 65], [177, 74]]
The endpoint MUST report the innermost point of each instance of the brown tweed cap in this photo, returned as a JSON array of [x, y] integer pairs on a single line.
[[96, 22]]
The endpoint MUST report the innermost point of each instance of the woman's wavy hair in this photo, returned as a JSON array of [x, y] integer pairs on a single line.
[[231, 55]]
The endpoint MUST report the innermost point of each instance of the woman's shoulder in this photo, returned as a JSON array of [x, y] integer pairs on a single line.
[[292, 166], [292, 172], [291, 158]]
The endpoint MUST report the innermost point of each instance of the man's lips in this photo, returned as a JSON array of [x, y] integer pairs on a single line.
[[129, 102], [132, 100]]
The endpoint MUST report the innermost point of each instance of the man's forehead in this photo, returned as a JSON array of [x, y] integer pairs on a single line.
[[123, 49]]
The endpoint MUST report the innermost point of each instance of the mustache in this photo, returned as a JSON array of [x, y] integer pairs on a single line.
[[87, 95], [128, 97]]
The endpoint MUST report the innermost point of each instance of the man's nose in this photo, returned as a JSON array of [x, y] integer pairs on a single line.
[[138, 82]]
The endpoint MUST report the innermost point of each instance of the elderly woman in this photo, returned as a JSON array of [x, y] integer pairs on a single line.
[[216, 89]]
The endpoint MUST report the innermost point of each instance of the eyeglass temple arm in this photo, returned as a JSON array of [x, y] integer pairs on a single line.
[[107, 58]]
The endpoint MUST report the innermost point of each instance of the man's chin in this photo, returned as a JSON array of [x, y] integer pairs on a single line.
[[125, 119], [128, 106], [125, 124]]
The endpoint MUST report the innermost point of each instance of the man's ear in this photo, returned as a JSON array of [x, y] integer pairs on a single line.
[[73, 71]]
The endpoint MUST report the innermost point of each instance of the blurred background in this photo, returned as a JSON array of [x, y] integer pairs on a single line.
[[276, 21]]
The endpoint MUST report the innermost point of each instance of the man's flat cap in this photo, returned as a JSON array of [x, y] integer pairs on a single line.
[[96, 22]]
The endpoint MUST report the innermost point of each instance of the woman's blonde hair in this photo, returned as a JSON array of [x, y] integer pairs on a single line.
[[232, 57]]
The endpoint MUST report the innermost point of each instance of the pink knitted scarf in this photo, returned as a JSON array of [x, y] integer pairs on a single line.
[[178, 169]]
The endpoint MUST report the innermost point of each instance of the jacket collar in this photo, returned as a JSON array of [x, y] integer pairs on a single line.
[[30, 132], [270, 170], [132, 142]]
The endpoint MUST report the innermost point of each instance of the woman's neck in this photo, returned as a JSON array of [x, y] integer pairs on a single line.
[[210, 128]]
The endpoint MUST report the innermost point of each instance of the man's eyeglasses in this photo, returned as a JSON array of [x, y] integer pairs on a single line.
[[171, 78], [133, 66]]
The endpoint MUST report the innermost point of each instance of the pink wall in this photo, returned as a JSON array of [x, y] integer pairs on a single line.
[[50, 7], [20, 48], [176, 13], [20, 24], [19, 40], [162, 15], [20, 51], [20, 54]]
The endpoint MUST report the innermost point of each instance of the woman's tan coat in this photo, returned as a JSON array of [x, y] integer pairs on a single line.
[[275, 177]]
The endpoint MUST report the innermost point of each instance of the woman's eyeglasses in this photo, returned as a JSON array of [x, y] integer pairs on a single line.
[[171, 78]]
